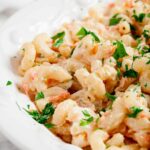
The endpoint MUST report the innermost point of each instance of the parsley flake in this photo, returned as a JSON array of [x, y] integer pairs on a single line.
[[49, 125], [110, 97], [39, 95], [86, 113], [8, 83], [58, 42], [114, 20], [87, 120], [42, 118], [58, 39], [120, 50], [84, 32], [130, 73], [146, 34], [58, 36], [134, 112], [118, 72], [138, 18]]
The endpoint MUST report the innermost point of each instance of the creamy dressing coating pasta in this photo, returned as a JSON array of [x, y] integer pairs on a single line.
[[90, 80]]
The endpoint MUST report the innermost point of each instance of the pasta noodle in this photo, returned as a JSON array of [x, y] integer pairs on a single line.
[[90, 80]]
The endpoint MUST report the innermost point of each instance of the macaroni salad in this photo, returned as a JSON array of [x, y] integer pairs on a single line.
[[90, 80]]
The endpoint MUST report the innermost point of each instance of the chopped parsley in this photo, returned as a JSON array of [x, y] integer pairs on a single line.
[[58, 39], [48, 110], [114, 20], [118, 72], [130, 73], [95, 37], [138, 18], [144, 50], [120, 50], [87, 120], [134, 112], [135, 57], [58, 36], [39, 95], [110, 97], [138, 40], [42, 118], [119, 64], [49, 125], [8, 83], [84, 32], [146, 34], [86, 113], [58, 42]]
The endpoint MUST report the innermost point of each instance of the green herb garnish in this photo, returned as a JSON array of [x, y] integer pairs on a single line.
[[49, 125], [130, 73], [8, 83], [134, 112], [110, 97], [95, 37], [119, 64], [144, 50], [118, 72], [58, 42], [87, 120], [138, 18], [84, 32], [146, 34], [39, 95], [135, 57], [58, 39], [114, 20], [58, 36], [42, 118], [120, 50]]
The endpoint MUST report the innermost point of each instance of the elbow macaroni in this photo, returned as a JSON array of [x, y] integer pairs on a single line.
[[95, 72]]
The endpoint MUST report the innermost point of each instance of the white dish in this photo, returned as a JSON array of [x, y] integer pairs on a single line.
[[40, 16]]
